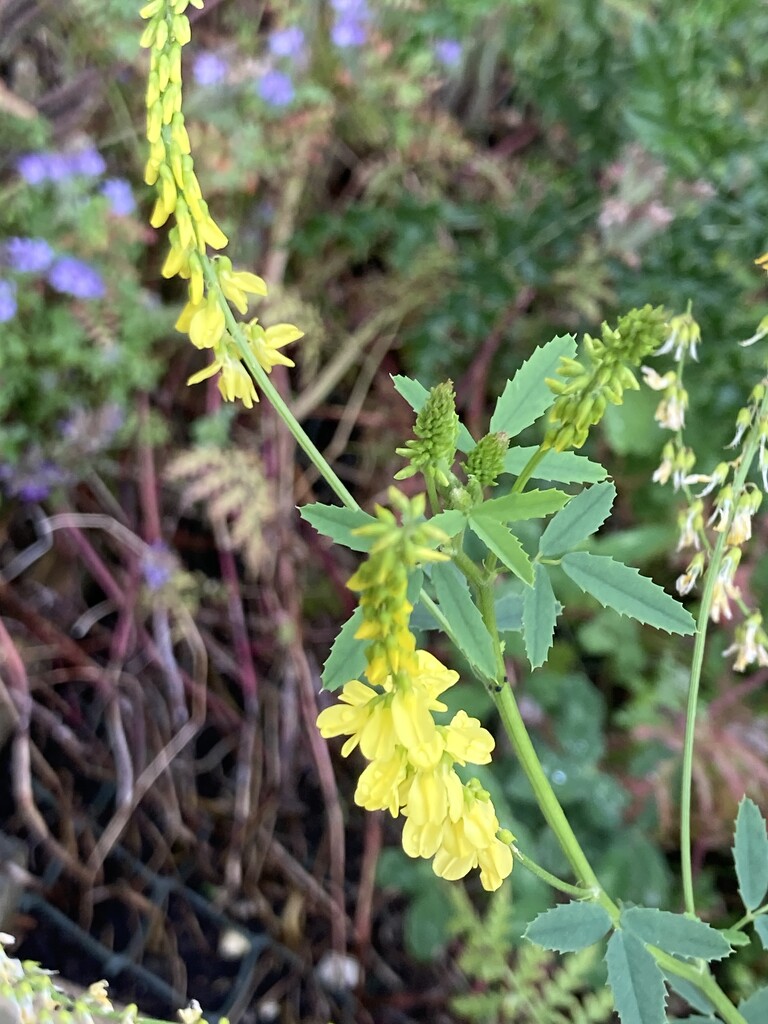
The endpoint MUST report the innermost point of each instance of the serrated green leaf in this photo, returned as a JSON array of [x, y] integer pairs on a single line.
[[540, 612], [636, 981], [569, 927], [755, 1009], [509, 613], [347, 658], [527, 396], [503, 543], [556, 467], [513, 508], [750, 853], [416, 395], [467, 627], [582, 516], [692, 995], [337, 522], [676, 933], [622, 588], [736, 937], [761, 927]]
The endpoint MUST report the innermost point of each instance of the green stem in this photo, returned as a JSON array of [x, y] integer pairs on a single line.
[[749, 917], [702, 624], [528, 469], [703, 981], [550, 879], [262, 380]]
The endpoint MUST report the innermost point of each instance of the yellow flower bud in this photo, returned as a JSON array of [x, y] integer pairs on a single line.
[[161, 34]]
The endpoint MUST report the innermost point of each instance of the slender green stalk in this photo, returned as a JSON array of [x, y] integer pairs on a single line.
[[549, 878], [703, 981], [262, 380], [686, 785], [528, 468]]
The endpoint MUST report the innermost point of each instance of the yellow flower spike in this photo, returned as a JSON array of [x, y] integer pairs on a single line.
[[235, 382], [206, 326]]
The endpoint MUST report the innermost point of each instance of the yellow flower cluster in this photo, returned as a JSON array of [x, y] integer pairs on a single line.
[[170, 168], [412, 769]]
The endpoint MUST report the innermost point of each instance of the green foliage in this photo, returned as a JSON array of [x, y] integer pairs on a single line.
[[750, 854], [636, 980], [526, 396], [464, 619], [675, 933], [526, 986], [569, 927], [339, 523], [582, 516], [540, 612]]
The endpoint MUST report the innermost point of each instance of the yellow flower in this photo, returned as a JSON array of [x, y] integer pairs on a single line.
[[471, 842], [382, 785], [265, 344], [235, 381], [237, 284], [434, 795], [467, 741], [495, 863]]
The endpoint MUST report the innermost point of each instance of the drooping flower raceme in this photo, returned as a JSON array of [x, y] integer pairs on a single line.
[[412, 758], [170, 168]]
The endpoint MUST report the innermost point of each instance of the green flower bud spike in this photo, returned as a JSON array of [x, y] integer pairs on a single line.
[[437, 430], [485, 463], [601, 376]]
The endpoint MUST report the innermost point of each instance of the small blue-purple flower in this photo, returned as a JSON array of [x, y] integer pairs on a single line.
[[448, 52], [29, 255], [87, 162], [33, 167], [287, 42], [348, 32], [73, 277], [209, 68], [157, 565], [119, 194], [8, 305], [276, 88]]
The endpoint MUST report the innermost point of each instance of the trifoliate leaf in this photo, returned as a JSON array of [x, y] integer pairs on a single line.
[[557, 467], [582, 516], [463, 616], [569, 927], [676, 933], [636, 981], [503, 543], [527, 396], [750, 853], [540, 612], [347, 658], [622, 588], [337, 522]]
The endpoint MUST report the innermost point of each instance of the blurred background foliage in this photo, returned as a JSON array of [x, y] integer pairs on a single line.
[[432, 189]]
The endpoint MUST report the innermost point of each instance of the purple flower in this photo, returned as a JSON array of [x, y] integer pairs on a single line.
[[120, 195], [209, 68], [73, 277], [287, 42], [348, 30], [88, 162], [29, 255], [33, 167], [356, 8], [276, 88], [8, 305], [448, 52]]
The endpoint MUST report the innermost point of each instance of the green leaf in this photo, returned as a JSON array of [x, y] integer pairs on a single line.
[[735, 936], [560, 467], [622, 588], [636, 981], [569, 927], [692, 995], [416, 395], [467, 627], [451, 521], [750, 853], [761, 927], [503, 543], [582, 516], [540, 612], [337, 522], [676, 933], [509, 612], [755, 1009], [527, 396], [513, 508], [347, 658], [693, 1020]]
